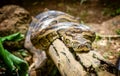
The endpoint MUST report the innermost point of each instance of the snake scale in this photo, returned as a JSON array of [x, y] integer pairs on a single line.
[[51, 25]]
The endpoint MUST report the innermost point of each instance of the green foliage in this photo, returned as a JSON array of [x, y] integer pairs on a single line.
[[118, 31], [14, 63], [98, 37], [13, 37], [23, 52], [111, 12], [112, 8], [118, 11], [115, 12]]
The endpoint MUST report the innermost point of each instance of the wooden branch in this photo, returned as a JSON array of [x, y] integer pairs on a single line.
[[64, 60], [108, 36], [88, 64]]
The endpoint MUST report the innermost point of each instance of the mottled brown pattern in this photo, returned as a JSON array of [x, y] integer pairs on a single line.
[[52, 25]]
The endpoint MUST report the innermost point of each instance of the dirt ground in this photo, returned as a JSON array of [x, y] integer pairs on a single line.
[[91, 11]]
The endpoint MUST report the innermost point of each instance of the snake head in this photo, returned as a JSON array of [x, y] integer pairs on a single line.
[[79, 38]]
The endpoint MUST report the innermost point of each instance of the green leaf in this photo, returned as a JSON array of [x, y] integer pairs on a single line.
[[5, 57], [98, 37], [13, 62], [23, 52], [14, 37], [118, 31]]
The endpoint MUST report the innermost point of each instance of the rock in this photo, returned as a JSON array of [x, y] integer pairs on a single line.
[[13, 19], [110, 41], [108, 27]]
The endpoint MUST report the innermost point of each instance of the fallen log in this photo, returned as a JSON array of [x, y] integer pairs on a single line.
[[91, 63]]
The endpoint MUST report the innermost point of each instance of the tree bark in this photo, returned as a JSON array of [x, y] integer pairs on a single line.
[[85, 65]]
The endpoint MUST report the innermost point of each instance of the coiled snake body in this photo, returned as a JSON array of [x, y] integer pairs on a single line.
[[51, 25]]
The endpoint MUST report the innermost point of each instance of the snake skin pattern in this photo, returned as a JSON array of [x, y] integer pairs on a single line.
[[51, 25]]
